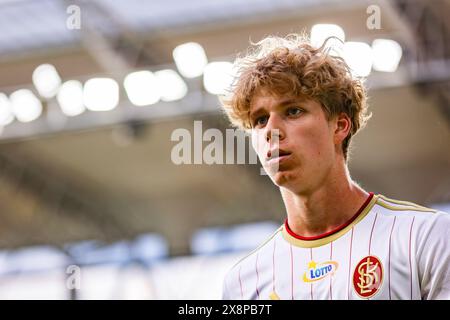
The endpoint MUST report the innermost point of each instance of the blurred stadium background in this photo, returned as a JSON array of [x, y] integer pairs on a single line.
[[86, 117]]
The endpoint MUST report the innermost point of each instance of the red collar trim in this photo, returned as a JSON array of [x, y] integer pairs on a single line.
[[323, 235]]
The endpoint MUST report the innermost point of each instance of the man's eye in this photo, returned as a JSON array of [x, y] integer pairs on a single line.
[[294, 111], [260, 121]]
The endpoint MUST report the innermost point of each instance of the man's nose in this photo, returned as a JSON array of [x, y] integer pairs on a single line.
[[274, 129]]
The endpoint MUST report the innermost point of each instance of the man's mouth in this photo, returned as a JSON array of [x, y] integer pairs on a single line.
[[275, 156]]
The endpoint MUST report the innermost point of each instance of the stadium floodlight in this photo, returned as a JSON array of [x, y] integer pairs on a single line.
[[171, 85], [358, 56], [101, 94], [46, 80], [70, 98], [142, 88], [218, 77], [190, 59], [320, 32], [25, 105], [6, 114], [386, 55]]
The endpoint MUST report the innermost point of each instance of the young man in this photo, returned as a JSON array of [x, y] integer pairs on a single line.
[[339, 241]]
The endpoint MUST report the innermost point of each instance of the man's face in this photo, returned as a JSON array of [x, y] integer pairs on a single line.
[[299, 130]]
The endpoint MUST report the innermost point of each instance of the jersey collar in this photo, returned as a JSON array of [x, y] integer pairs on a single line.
[[320, 240]]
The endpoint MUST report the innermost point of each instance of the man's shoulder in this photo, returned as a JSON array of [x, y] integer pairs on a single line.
[[424, 218], [401, 207], [263, 245]]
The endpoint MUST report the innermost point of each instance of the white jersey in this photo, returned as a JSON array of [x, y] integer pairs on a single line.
[[389, 250]]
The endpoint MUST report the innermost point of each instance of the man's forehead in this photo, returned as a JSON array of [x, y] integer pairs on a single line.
[[267, 98]]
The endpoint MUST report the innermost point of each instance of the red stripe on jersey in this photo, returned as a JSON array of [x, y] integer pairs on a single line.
[[257, 274], [240, 283], [389, 257], [323, 235], [292, 274], [311, 286], [331, 277], [371, 231], [349, 266], [410, 266], [273, 264]]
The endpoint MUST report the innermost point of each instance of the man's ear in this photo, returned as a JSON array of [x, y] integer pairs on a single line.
[[342, 128]]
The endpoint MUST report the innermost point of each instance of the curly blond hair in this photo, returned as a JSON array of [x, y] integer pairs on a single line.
[[292, 66]]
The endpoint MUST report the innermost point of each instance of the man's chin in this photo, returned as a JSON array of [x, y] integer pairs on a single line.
[[281, 178]]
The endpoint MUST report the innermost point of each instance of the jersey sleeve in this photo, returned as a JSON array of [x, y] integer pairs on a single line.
[[434, 260]]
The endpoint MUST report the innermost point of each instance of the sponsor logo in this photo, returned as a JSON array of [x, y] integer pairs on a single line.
[[368, 276], [318, 271]]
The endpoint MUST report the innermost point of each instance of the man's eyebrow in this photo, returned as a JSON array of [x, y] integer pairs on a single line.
[[288, 101], [279, 104], [255, 112]]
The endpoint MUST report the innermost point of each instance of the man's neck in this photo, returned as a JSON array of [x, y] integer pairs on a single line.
[[325, 209]]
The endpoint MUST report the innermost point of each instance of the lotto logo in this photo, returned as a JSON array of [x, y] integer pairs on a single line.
[[318, 271]]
